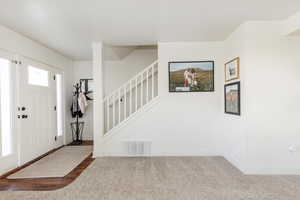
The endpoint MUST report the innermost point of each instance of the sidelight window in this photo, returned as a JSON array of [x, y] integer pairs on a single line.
[[5, 108]]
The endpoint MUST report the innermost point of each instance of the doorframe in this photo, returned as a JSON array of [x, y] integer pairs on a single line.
[[64, 106]]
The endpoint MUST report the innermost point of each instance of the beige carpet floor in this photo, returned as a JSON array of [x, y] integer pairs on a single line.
[[57, 164], [175, 178]]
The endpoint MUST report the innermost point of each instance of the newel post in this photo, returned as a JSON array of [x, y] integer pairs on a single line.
[[98, 128]]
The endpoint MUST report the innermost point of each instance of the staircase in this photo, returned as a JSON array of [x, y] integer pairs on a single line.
[[130, 99]]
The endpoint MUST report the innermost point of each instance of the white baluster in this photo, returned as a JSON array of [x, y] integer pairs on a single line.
[[152, 93], [114, 111], [147, 85], [125, 102], [156, 82], [130, 98], [107, 114], [142, 88], [119, 109], [136, 98]]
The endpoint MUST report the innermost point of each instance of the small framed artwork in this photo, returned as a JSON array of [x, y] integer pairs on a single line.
[[87, 86], [191, 76], [232, 70], [232, 98]]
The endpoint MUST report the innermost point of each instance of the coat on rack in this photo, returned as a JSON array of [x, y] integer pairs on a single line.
[[75, 109]]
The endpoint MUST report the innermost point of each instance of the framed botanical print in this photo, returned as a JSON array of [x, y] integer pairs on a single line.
[[232, 69], [191, 76], [232, 95]]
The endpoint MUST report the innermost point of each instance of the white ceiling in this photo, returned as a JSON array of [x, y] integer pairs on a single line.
[[70, 26]]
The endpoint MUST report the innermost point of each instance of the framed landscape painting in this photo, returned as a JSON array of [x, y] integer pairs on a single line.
[[192, 76], [232, 98], [232, 70]]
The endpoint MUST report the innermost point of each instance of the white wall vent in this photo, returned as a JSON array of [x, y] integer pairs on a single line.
[[138, 148]]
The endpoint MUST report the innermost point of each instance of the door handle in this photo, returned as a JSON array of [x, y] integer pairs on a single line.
[[24, 116]]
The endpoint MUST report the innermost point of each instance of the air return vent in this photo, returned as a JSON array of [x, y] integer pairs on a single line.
[[138, 148]]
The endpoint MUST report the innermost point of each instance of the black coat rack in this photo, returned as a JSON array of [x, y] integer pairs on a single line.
[[77, 127]]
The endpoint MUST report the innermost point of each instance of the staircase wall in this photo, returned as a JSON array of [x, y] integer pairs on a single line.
[[179, 123], [117, 72], [264, 139]]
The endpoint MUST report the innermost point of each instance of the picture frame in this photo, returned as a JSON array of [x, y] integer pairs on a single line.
[[232, 98], [87, 86], [191, 76], [232, 70]]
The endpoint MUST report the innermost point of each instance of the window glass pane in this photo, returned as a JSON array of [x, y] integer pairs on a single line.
[[37, 76], [59, 104], [5, 107]]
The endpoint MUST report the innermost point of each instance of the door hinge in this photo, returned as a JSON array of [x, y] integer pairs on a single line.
[[54, 77], [54, 108]]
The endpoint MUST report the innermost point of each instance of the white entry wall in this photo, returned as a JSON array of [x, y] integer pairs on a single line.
[[265, 138], [15, 44], [273, 73]]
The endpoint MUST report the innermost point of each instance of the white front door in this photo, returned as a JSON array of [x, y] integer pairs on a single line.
[[36, 110]]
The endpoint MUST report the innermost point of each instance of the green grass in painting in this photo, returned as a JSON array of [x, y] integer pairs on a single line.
[[204, 80]]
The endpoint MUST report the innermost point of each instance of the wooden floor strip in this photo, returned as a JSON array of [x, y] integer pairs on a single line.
[[43, 184]]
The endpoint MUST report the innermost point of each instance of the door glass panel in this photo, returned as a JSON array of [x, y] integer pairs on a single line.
[[5, 107], [37, 76]]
